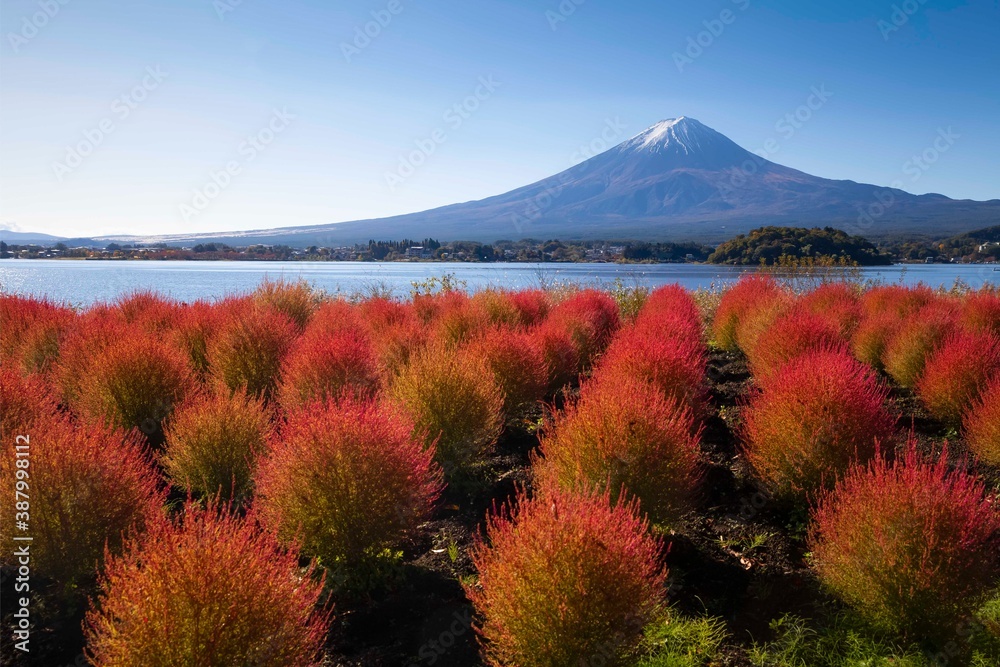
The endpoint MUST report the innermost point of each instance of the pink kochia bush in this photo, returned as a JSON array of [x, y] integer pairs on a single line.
[[911, 544], [812, 419], [624, 434], [89, 486], [348, 480], [956, 372], [565, 579], [981, 424], [207, 589]]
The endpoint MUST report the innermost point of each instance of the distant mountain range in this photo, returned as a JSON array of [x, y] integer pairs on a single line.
[[678, 180]]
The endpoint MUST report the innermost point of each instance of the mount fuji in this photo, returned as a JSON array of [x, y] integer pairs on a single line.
[[677, 180]]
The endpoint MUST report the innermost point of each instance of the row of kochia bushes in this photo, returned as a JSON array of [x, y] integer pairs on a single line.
[[328, 430]]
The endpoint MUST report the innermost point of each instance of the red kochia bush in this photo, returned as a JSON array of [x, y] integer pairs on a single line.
[[32, 331], [872, 336], [321, 366], [196, 323], [981, 312], [836, 302], [212, 444], [812, 419], [518, 365], [147, 310], [247, 350], [671, 311], [747, 295], [956, 372], [591, 318], [561, 356], [917, 336], [394, 330], [133, 382], [565, 579], [89, 485], [624, 433], [208, 589], [349, 480], [296, 299], [897, 299], [982, 424], [793, 334], [910, 544], [674, 365], [23, 399], [531, 305]]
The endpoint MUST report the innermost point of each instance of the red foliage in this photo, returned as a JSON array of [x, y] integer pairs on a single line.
[[349, 480], [981, 312], [670, 311], [897, 299], [748, 295], [323, 366], [956, 372], [795, 333], [624, 434], [591, 318], [247, 351], [837, 302], [812, 419], [208, 589], [910, 544], [532, 305], [23, 400], [133, 381], [872, 336], [196, 324], [564, 579], [517, 362], [497, 307], [148, 310], [917, 336], [395, 332], [674, 365], [89, 485], [561, 355], [32, 331], [981, 425]]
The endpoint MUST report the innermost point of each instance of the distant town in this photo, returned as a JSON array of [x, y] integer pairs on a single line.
[[766, 245]]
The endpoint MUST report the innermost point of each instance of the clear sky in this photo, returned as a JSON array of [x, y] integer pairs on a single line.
[[199, 115]]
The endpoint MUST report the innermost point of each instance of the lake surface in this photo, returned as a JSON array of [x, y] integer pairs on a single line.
[[82, 282]]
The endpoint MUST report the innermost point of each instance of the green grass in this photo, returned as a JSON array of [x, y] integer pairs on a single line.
[[677, 641]]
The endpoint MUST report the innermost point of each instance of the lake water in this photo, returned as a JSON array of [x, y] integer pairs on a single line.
[[81, 282]]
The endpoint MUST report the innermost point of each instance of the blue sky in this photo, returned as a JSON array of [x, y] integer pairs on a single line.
[[202, 115]]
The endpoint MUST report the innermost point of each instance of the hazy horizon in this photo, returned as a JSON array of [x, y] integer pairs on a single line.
[[292, 115]]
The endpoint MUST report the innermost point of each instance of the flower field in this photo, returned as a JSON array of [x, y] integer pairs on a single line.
[[573, 477]]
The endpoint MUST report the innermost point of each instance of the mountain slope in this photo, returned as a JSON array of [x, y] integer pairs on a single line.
[[677, 180]]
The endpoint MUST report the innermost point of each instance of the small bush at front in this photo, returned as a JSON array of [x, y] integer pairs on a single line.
[[207, 589], [565, 579], [911, 545]]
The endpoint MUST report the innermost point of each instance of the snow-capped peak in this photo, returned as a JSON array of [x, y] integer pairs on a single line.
[[684, 134]]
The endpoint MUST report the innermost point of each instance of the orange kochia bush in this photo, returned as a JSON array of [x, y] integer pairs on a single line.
[[795, 332], [749, 294], [911, 544], [956, 372], [591, 318], [32, 331], [249, 346], [517, 362], [323, 365], [565, 578], [207, 589], [624, 435], [811, 420], [981, 425], [348, 480], [917, 336]]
